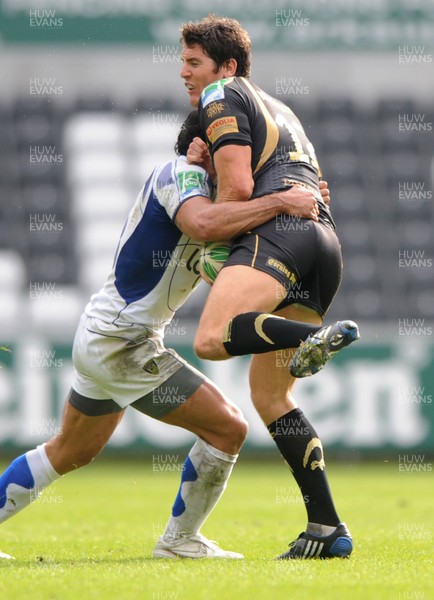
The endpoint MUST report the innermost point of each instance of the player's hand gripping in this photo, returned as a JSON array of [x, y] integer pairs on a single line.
[[325, 192], [299, 202], [198, 154]]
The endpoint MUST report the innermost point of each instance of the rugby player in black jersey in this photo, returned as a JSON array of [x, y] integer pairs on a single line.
[[120, 359], [258, 146]]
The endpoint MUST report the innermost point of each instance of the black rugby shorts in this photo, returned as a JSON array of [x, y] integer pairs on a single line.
[[303, 255]]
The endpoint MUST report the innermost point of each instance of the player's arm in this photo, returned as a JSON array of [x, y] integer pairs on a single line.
[[206, 221], [227, 132], [231, 169], [232, 164], [198, 154], [234, 173]]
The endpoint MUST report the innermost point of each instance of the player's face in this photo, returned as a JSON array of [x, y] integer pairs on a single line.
[[198, 70]]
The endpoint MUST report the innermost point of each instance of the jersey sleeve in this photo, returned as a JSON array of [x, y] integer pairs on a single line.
[[224, 116], [187, 181]]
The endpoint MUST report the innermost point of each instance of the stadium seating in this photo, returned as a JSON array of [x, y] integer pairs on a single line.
[[98, 156]]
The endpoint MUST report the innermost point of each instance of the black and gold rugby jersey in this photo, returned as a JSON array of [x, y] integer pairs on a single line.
[[235, 111]]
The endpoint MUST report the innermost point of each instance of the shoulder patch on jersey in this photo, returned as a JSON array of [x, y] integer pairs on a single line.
[[214, 91], [215, 108], [220, 127], [188, 181]]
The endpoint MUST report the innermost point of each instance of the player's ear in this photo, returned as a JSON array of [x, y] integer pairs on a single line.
[[230, 67]]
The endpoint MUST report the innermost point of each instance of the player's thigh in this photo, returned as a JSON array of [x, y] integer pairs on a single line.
[[80, 438], [298, 312], [238, 289], [190, 400], [271, 383], [210, 415]]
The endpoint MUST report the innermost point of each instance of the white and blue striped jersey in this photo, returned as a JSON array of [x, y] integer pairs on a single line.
[[155, 266]]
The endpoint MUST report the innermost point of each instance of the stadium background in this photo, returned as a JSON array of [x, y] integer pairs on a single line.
[[91, 99]]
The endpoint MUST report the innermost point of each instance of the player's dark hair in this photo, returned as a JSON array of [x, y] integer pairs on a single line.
[[189, 130], [221, 39]]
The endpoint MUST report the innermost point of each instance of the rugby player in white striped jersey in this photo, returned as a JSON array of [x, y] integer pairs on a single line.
[[120, 359]]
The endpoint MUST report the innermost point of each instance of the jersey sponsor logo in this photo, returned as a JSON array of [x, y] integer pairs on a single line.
[[151, 367], [276, 264], [221, 127], [215, 109], [190, 181], [214, 91]]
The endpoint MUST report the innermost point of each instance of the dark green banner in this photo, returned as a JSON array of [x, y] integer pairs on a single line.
[[307, 25], [369, 398]]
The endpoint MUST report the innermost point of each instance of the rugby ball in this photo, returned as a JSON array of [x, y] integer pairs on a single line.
[[213, 256]]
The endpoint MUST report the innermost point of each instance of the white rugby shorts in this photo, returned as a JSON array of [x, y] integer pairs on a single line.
[[125, 365]]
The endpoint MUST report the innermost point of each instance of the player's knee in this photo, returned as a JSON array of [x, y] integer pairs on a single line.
[[201, 345], [85, 456], [237, 429], [209, 347], [242, 430], [229, 433], [66, 457]]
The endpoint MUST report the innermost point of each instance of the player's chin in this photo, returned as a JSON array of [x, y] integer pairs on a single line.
[[194, 99]]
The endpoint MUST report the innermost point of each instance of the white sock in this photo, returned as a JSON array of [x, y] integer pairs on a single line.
[[24, 480], [318, 529], [206, 471]]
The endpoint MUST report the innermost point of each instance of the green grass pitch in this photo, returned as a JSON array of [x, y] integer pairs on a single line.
[[92, 536]]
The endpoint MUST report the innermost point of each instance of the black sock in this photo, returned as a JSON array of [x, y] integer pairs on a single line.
[[301, 448], [255, 333]]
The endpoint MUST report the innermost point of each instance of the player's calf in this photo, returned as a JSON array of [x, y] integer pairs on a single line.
[[252, 333]]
